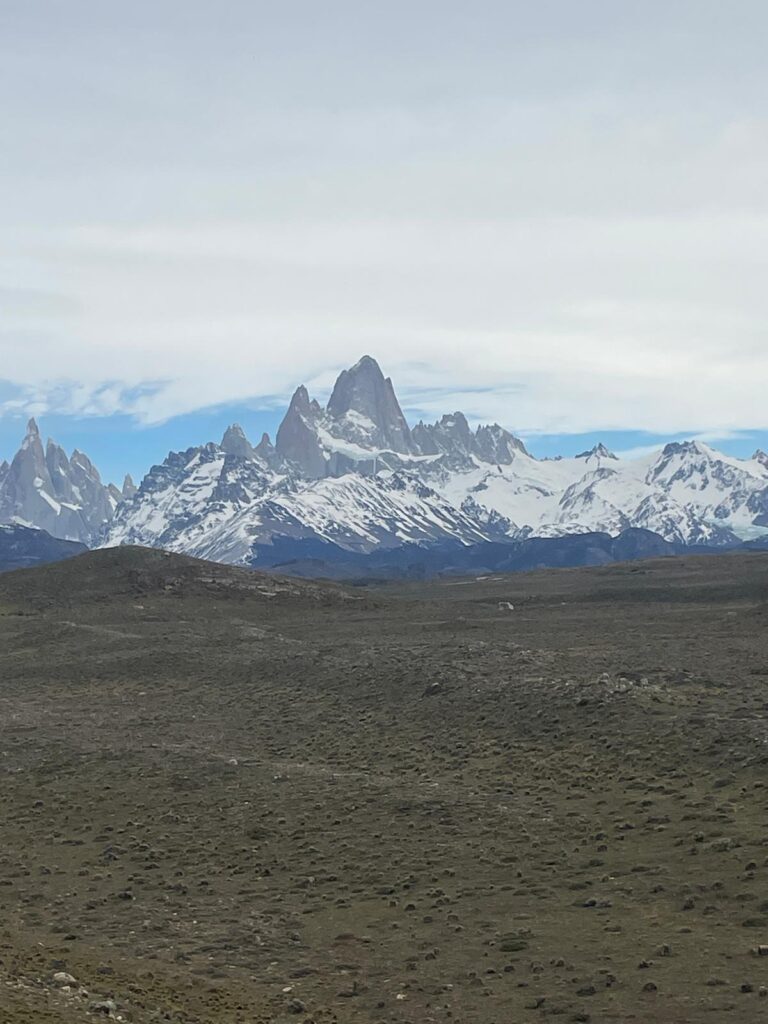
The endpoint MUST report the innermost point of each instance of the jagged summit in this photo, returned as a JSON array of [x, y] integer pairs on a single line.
[[363, 429], [234, 442], [297, 441], [598, 452], [366, 398], [129, 487], [687, 448], [362, 420], [452, 437], [32, 435], [45, 488]]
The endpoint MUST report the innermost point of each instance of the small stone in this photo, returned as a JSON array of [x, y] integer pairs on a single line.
[[61, 978], [104, 1006]]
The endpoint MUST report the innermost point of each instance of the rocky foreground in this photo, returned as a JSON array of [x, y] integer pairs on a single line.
[[233, 798]]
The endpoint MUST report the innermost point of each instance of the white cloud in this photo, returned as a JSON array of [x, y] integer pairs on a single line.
[[551, 220], [556, 325]]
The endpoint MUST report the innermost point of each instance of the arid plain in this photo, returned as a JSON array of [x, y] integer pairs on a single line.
[[229, 798]]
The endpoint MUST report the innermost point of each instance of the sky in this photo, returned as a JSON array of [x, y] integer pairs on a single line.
[[552, 215]]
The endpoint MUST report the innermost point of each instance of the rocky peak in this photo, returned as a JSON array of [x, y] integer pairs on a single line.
[[363, 429], [683, 448], [495, 444], [81, 461], [598, 452], [56, 457], [60, 471], [452, 436], [365, 400], [759, 456], [29, 466], [32, 435], [300, 404], [129, 487], [46, 489], [265, 450], [297, 441], [234, 442], [455, 425]]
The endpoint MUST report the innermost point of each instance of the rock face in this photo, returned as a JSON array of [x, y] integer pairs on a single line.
[[364, 405], [598, 452], [361, 425], [235, 442], [297, 440], [363, 430], [129, 487], [452, 437], [44, 488]]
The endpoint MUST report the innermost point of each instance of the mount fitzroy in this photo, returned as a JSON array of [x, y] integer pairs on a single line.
[[355, 478]]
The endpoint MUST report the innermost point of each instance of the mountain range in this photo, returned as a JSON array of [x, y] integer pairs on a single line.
[[355, 477]]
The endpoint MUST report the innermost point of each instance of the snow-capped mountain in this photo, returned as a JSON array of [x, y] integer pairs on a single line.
[[219, 503], [356, 475], [687, 492], [353, 473], [44, 488]]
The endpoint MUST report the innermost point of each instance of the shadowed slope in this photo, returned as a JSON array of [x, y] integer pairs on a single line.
[[116, 573]]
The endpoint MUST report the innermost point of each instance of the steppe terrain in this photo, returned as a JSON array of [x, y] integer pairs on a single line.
[[228, 798]]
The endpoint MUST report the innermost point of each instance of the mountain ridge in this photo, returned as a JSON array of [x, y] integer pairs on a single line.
[[353, 473]]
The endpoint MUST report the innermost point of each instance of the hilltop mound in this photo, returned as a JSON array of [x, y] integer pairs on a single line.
[[136, 572]]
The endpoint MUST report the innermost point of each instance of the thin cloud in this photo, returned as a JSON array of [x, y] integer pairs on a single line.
[[515, 225]]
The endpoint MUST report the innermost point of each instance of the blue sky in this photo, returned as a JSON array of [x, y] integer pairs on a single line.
[[552, 215]]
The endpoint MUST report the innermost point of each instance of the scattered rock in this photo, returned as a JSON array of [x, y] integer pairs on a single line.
[[61, 980]]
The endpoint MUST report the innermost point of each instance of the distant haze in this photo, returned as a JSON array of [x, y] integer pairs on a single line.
[[549, 214]]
